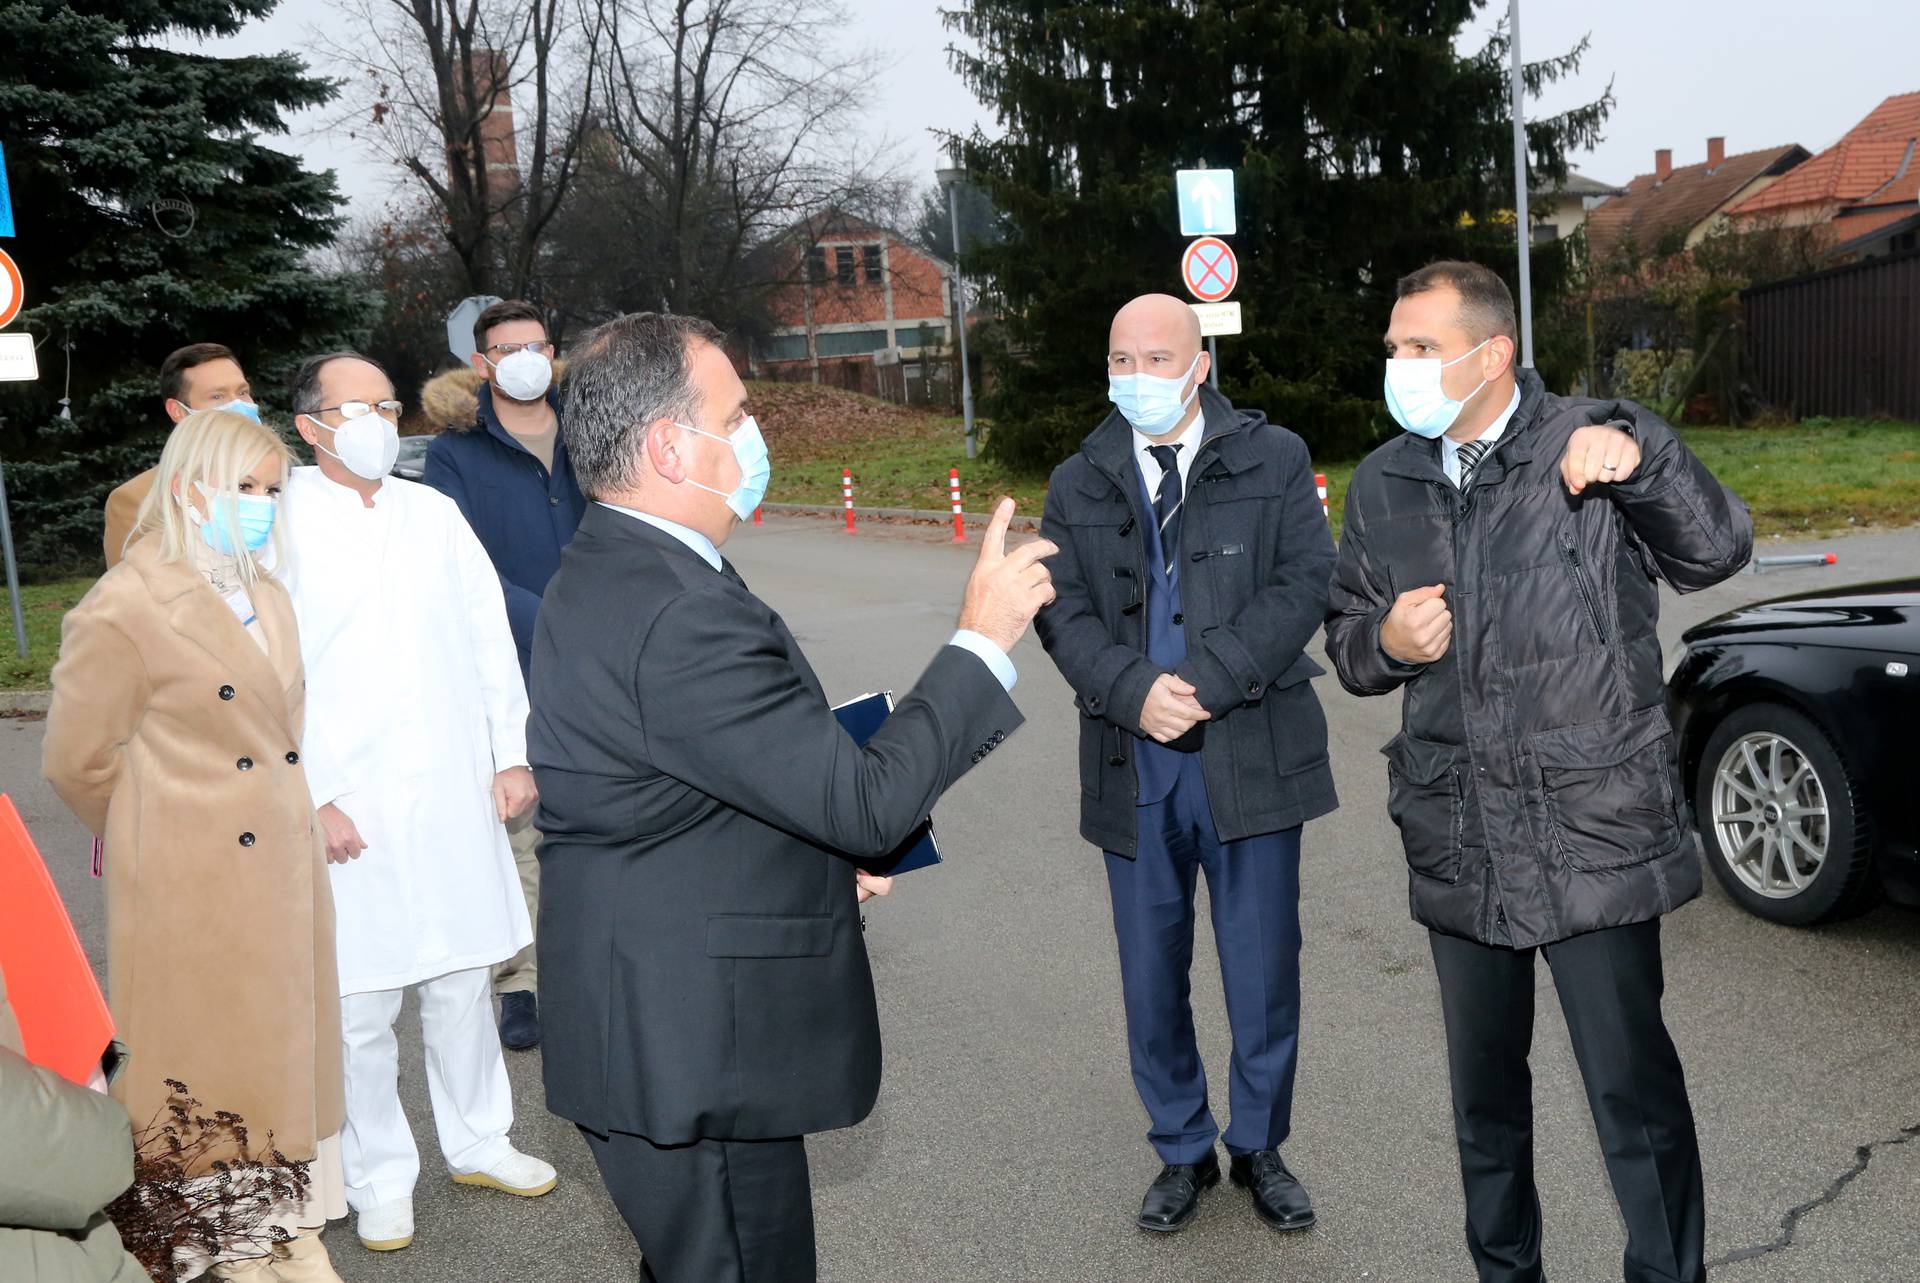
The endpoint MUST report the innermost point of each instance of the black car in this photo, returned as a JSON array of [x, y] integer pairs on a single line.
[[412, 460], [1795, 723]]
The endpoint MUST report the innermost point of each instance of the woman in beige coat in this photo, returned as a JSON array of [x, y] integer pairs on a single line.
[[174, 734]]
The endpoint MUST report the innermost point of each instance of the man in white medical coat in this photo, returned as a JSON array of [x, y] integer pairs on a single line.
[[415, 750]]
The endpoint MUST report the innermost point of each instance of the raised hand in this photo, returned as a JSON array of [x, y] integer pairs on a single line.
[[1006, 589], [1598, 453], [1419, 628]]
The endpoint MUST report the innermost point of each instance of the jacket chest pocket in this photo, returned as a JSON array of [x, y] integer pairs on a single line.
[[1607, 790], [1426, 800]]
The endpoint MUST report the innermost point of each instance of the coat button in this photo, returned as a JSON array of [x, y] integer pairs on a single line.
[[1179, 618], [1253, 688], [1116, 760], [245, 764], [226, 692], [246, 839], [293, 759]]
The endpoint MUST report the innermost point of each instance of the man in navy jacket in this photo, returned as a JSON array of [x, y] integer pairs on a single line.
[[509, 473]]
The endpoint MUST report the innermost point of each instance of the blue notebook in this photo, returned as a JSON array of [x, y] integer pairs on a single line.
[[862, 717]]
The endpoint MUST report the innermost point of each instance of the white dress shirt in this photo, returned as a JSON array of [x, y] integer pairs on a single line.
[[1189, 442], [989, 652], [1450, 449]]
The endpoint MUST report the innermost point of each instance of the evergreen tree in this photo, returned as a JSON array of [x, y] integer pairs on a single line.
[[1363, 144], [149, 215]]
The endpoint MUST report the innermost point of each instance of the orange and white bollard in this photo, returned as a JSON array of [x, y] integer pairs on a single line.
[[959, 520], [846, 495], [1320, 484], [756, 518]]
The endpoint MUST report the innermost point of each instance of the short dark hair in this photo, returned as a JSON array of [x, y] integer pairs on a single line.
[[507, 309], [173, 370], [622, 377], [306, 381], [1486, 304]]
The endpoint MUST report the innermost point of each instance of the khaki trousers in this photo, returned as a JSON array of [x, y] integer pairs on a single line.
[[518, 974]]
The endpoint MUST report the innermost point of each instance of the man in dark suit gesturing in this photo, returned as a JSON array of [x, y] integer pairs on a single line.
[[705, 995]]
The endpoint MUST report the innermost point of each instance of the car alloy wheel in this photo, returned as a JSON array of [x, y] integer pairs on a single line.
[[1769, 814]]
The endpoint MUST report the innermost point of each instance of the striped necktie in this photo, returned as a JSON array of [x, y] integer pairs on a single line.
[[1469, 454], [1166, 502]]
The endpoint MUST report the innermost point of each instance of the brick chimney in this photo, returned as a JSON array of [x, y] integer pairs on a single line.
[[491, 78], [1663, 165], [1716, 152]]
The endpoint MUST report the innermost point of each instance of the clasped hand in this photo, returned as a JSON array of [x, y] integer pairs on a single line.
[[1171, 709]]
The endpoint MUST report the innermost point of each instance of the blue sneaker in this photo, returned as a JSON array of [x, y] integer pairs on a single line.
[[519, 1021]]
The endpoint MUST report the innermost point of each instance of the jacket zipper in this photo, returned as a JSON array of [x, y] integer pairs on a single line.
[[1570, 554]]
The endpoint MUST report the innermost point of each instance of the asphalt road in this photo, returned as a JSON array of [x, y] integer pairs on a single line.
[[1008, 1144]]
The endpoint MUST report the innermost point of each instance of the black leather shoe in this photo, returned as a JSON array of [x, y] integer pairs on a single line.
[[1174, 1196], [1279, 1198], [519, 1021]]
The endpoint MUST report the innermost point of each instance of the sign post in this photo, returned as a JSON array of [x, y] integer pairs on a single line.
[[6, 198], [1208, 268], [17, 362], [1210, 272]]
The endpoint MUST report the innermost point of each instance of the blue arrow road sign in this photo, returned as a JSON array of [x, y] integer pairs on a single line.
[[1206, 201], [6, 200]]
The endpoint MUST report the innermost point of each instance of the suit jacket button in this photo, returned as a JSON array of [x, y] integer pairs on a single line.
[[226, 692], [293, 759], [245, 764], [1179, 617], [246, 839], [553, 501]]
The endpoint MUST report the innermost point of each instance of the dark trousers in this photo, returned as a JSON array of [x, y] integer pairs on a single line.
[[715, 1211], [1610, 984], [1254, 888]]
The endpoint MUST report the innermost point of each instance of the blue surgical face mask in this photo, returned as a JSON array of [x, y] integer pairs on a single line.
[[756, 469], [239, 406], [253, 513], [1153, 405], [1415, 397]]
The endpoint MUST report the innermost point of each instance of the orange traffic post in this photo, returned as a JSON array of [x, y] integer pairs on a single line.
[[1320, 483], [846, 495], [959, 520], [756, 518]]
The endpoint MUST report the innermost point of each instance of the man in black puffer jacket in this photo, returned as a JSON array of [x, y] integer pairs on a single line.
[[1500, 562]]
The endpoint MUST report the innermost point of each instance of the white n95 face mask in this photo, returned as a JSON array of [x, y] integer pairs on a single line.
[[523, 375], [1415, 398], [368, 445]]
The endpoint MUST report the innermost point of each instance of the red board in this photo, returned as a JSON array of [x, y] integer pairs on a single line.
[[12, 289], [1209, 269], [64, 1023]]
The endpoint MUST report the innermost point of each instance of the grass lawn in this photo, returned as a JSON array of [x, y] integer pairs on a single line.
[[907, 468], [43, 605], [1818, 476]]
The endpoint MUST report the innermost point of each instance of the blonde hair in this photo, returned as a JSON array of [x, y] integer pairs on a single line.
[[212, 449]]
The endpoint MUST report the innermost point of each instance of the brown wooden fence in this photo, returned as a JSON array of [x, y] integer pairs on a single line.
[[1840, 342]]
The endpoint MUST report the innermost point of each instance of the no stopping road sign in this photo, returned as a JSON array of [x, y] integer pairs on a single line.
[[1209, 269]]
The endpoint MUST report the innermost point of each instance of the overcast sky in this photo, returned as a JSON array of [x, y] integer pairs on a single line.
[[1761, 72]]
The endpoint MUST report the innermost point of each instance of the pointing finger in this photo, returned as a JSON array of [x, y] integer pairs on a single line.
[[1028, 553], [993, 545]]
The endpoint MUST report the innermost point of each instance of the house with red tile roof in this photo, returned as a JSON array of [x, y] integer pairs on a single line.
[[1671, 209], [1865, 189]]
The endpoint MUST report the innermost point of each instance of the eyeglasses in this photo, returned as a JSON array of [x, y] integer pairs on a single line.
[[539, 347], [355, 409]]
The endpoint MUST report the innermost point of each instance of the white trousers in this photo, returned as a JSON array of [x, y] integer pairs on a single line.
[[466, 1083]]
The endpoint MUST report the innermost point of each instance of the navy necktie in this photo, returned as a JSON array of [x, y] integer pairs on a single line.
[[1166, 502]]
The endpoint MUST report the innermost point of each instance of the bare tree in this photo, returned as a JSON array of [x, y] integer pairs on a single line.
[[438, 78], [726, 122]]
